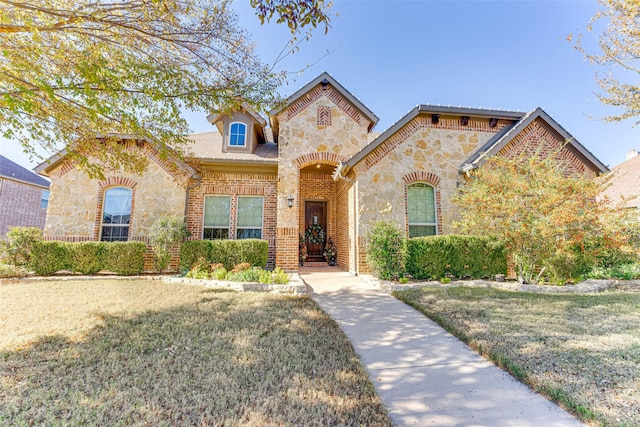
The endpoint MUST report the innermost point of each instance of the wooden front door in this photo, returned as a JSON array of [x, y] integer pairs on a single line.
[[315, 213]]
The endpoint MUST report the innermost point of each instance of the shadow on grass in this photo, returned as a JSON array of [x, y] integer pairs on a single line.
[[580, 350], [229, 359]]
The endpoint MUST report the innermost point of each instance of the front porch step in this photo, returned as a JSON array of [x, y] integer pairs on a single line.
[[315, 264]]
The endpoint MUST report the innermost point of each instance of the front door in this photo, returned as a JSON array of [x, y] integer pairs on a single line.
[[315, 226]]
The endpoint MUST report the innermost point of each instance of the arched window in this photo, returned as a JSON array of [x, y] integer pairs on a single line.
[[237, 134], [421, 210], [116, 214]]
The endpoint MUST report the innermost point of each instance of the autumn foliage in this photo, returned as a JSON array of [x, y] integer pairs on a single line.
[[554, 227]]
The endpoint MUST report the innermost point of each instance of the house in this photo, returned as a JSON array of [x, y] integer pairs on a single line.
[[316, 165], [23, 197], [624, 182]]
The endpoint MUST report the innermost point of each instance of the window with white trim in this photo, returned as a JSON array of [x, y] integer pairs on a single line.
[[249, 219], [421, 210], [237, 134], [216, 217], [116, 214]]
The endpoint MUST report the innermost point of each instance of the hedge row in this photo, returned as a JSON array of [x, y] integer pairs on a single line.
[[226, 252], [124, 258], [457, 256]]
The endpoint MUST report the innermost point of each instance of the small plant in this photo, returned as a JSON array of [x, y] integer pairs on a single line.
[[386, 250], [241, 267], [403, 280], [165, 233], [445, 280], [8, 270], [17, 246], [330, 252], [302, 250]]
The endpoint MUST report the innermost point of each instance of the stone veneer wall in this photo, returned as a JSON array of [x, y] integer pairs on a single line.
[[20, 205], [321, 127], [74, 213], [236, 184], [419, 152]]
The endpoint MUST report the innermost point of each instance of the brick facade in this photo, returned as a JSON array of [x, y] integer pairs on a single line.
[[20, 205], [235, 184]]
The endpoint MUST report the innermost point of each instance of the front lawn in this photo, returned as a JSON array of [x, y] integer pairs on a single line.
[[120, 352], [581, 350]]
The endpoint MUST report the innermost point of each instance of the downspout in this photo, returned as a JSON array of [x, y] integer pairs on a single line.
[[339, 174], [198, 179]]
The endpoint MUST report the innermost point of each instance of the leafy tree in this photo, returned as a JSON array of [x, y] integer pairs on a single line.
[[552, 225], [165, 233], [618, 24], [74, 70]]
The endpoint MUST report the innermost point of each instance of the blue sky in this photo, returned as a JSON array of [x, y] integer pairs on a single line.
[[394, 55]]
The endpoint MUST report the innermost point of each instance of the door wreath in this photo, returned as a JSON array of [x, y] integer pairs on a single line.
[[315, 234]]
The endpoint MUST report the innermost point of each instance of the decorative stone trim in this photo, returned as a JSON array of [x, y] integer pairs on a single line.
[[315, 158], [324, 116], [422, 176], [333, 95]]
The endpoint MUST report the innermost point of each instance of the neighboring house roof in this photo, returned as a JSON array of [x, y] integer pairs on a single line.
[[625, 183], [13, 171], [502, 138], [207, 147], [324, 79], [429, 109]]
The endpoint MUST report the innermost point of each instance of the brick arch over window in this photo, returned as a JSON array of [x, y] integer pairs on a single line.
[[103, 186], [315, 158], [426, 178], [422, 176]]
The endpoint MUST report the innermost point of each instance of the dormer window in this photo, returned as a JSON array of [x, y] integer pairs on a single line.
[[237, 134]]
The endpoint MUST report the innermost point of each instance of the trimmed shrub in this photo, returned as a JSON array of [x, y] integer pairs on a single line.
[[49, 257], [86, 257], [125, 258], [226, 252], [474, 257], [192, 251], [17, 246], [386, 250]]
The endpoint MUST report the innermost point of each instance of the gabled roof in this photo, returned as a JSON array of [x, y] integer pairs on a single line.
[[625, 182], [429, 109], [13, 171], [46, 166], [502, 138], [216, 117], [323, 79]]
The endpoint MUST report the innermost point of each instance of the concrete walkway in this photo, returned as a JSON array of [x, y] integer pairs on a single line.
[[424, 375]]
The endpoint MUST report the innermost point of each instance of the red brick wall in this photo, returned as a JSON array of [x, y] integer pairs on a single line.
[[320, 187], [538, 139], [344, 225], [20, 205], [236, 184]]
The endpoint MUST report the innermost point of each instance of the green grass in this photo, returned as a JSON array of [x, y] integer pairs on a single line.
[[580, 350], [148, 353]]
